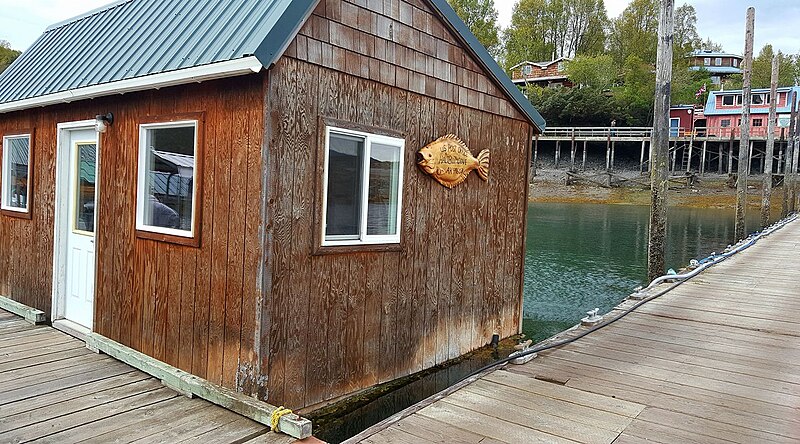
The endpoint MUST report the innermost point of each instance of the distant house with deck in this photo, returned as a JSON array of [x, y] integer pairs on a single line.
[[550, 74], [724, 109], [720, 65]]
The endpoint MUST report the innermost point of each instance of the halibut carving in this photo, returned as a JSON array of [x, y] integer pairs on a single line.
[[449, 161]]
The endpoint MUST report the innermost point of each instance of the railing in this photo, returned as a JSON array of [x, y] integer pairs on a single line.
[[644, 132], [599, 131]]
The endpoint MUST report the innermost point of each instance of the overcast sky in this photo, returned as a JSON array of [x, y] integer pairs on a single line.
[[22, 21]]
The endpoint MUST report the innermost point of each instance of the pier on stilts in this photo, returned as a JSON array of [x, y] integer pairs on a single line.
[[712, 360], [702, 150]]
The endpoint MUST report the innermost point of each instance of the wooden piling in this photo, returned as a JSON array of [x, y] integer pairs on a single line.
[[608, 152], [583, 162], [730, 151], [572, 152], [689, 157], [766, 189], [535, 155], [613, 152], [741, 180], [787, 167], [719, 158], [659, 144], [641, 158], [703, 158], [558, 152]]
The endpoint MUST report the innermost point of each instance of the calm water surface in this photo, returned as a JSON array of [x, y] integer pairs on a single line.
[[578, 257], [585, 256]]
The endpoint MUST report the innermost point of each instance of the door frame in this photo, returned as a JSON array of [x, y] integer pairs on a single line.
[[61, 223]]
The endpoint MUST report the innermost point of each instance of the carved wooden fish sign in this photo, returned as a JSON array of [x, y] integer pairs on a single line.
[[449, 161]]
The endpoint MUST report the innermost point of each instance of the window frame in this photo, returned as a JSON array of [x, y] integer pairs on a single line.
[[171, 235], [365, 242], [718, 61], [758, 122], [732, 97], [707, 61], [22, 213]]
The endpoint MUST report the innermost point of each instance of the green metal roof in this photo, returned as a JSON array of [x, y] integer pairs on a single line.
[[133, 39]]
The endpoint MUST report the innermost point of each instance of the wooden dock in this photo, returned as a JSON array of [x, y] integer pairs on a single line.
[[53, 389], [712, 361]]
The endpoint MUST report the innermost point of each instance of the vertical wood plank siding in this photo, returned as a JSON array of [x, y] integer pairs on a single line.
[[343, 322], [194, 308]]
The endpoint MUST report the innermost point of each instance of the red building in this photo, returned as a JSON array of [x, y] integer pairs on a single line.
[[724, 108]]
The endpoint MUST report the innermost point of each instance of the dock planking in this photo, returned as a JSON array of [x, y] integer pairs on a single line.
[[711, 361], [53, 389]]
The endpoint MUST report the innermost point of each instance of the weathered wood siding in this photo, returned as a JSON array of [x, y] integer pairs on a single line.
[[194, 308], [343, 322]]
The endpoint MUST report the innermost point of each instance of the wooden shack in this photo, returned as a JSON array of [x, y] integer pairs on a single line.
[[231, 188]]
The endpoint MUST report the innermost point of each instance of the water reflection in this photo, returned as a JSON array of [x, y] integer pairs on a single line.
[[582, 256]]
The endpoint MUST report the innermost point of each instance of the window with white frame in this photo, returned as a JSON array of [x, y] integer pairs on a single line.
[[718, 61], [16, 173], [707, 61], [727, 100], [167, 182], [725, 123], [363, 187]]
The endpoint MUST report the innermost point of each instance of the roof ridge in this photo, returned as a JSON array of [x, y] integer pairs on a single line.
[[86, 14]]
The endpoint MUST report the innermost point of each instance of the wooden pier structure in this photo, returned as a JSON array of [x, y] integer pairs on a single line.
[[703, 150], [53, 389], [714, 360]]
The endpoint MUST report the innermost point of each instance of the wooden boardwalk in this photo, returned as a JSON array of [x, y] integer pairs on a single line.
[[713, 361], [53, 389]]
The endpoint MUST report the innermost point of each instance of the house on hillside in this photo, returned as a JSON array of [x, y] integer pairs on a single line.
[[720, 65], [550, 74], [723, 111], [232, 188]]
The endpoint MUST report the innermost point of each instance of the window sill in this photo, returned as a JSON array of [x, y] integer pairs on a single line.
[[17, 214], [359, 248], [169, 238]]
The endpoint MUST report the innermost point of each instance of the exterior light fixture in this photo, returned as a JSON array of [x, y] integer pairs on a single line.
[[103, 121]]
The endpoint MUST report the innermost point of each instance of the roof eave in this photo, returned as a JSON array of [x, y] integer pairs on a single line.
[[196, 74], [284, 31], [461, 30]]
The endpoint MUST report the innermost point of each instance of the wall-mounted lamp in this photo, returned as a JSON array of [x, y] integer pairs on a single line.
[[103, 121]]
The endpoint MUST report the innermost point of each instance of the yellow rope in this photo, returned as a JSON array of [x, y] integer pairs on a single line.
[[275, 418]]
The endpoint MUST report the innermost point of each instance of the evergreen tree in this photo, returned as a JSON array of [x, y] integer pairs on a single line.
[[635, 32]]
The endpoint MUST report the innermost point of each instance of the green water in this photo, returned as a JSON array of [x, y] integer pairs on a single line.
[[585, 256]]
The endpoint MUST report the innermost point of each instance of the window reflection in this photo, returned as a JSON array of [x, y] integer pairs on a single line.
[[169, 178]]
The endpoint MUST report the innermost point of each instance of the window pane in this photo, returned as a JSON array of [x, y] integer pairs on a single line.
[[345, 160], [727, 100], [84, 201], [758, 99], [384, 181], [169, 177], [17, 169]]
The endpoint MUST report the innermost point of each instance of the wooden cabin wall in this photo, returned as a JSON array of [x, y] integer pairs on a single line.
[[26, 255], [343, 322], [194, 308]]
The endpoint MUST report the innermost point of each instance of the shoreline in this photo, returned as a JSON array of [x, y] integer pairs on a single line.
[[711, 191]]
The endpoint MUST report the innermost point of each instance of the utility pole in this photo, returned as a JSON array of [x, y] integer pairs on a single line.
[[766, 189], [744, 144], [659, 144]]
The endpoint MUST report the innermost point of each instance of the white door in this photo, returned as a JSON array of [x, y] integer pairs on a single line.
[[80, 217]]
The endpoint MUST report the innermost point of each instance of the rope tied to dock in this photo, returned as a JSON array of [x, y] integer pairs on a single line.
[[276, 416]]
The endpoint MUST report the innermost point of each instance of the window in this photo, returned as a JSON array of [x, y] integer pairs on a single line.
[[738, 99], [560, 66], [735, 63], [758, 122], [526, 70], [707, 61], [725, 123], [16, 175], [727, 100], [718, 61], [363, 187], [758, 99], [167, 193]]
